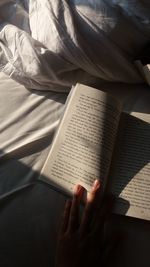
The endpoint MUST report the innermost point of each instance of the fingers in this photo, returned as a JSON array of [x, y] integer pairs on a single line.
[[74, 211], [65, 218], [102, 214], [94, 192], [90, 208], [94, 215], [70, 218]]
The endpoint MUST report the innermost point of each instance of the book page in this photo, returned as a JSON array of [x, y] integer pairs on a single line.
[[130, 172], [83, 145], [146, 70]]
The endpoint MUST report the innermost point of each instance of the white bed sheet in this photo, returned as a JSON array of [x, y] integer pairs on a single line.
[[28, 120], [54, 44], [70, 47]]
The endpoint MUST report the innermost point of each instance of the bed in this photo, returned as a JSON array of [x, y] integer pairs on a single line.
[[40, 59]]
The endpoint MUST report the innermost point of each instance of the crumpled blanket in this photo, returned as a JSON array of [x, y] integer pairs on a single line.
[[52, 44]]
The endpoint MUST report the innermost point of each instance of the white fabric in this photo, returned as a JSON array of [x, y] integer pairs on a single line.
[[27, 123], [52, 44], [28, 120]]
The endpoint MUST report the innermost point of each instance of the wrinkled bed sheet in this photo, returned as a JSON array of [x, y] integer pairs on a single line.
[[28, 216], [30, 211], [52, 44], [47, 46]]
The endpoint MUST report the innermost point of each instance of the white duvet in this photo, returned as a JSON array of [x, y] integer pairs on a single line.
[[49, 45], [52, 44]]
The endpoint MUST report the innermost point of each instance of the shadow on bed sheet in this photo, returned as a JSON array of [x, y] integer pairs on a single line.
[[30, 210], [134, 97], [28, 225], [28, 216]]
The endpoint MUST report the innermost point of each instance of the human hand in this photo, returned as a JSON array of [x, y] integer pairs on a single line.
[[81, 240]]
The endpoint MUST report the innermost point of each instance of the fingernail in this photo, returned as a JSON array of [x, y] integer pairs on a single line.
[[96, 184], [77, 189]]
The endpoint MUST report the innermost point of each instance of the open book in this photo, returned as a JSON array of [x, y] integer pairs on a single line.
[[144, 70], [96, 140]]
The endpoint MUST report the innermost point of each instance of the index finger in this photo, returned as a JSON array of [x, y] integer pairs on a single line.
[[65, 218], [91, 206], [74, 212]]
